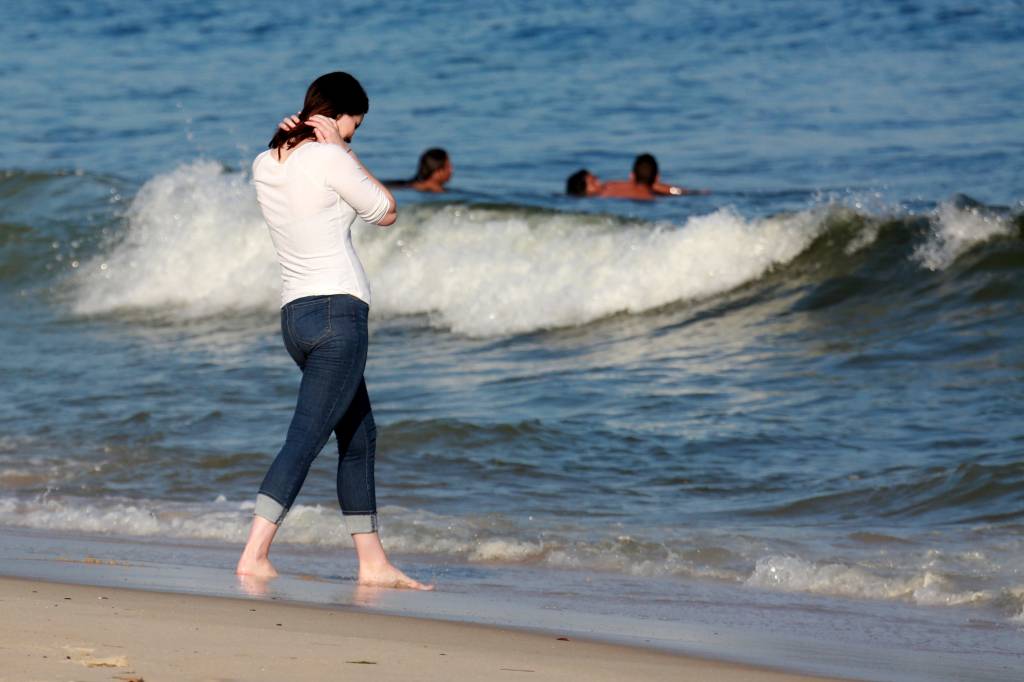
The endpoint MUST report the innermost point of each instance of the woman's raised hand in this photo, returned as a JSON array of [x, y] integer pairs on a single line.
[[288, 123], [326, 130]]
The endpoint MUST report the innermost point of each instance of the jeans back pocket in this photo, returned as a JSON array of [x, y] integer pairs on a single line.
[[309, 320]]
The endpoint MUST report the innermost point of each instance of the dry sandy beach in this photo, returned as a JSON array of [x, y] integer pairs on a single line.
[[65, 632]]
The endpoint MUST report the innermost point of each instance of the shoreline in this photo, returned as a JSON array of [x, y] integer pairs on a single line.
[[707, 626], [100, 633]]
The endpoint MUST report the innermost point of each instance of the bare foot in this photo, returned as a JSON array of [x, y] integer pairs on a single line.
[[253, 586], [256, 568], [387, 575]]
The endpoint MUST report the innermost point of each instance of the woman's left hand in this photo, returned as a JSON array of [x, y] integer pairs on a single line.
[[326, 130]]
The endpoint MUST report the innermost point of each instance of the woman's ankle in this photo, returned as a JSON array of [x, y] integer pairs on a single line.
[[255, 554], [257, 547], [369, 550]]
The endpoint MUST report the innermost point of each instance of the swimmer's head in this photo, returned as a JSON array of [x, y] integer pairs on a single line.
[[434, 163], [645, 170], [336, 95], [582, 183]]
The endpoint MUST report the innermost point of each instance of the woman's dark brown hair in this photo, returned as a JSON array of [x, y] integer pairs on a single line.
[[331, 95]]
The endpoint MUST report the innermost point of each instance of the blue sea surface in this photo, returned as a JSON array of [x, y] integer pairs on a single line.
[[790, 405]]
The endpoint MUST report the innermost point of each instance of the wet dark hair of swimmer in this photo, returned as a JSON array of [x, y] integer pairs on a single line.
[[645, 170], [576, 184], [431, 161], [332, 95]]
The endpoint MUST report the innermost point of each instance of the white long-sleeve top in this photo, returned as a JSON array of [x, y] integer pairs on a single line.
[[309, 201]]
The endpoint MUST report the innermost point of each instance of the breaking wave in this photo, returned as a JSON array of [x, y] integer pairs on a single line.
[[194, 245]]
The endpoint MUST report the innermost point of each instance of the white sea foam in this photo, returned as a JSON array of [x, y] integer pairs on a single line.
[[195, 245], [1015, 595], [404, 530], [955, 231], [506, 550], [123, 518], [489, 272], [915, 578], [924, 586]]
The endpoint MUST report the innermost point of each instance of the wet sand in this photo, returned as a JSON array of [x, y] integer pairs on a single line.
[[57, 631]]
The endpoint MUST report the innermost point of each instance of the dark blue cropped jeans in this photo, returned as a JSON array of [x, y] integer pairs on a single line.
[[327, 338]]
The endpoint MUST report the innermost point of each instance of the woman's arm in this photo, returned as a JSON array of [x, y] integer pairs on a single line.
[[368, 207], [392, 215]]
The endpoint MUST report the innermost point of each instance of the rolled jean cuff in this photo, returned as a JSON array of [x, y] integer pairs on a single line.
[[361, 523], [270, 509]]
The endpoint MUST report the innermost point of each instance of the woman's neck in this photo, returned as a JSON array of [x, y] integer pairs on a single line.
[[284, 151]]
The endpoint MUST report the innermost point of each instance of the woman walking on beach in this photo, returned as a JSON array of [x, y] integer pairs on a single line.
[[310, 187]]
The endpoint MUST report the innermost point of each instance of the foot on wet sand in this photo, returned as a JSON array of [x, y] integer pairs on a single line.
[[389, 576], [253, 586], [256, 568]]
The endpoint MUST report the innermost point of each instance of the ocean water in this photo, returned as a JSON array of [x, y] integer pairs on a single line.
[[791, 405]]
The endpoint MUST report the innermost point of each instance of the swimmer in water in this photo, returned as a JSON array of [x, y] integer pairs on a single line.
[[644, 183], [583, 183], [434, 171]]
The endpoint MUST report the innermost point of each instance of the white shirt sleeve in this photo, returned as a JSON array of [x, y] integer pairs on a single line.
[[349, 180]]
